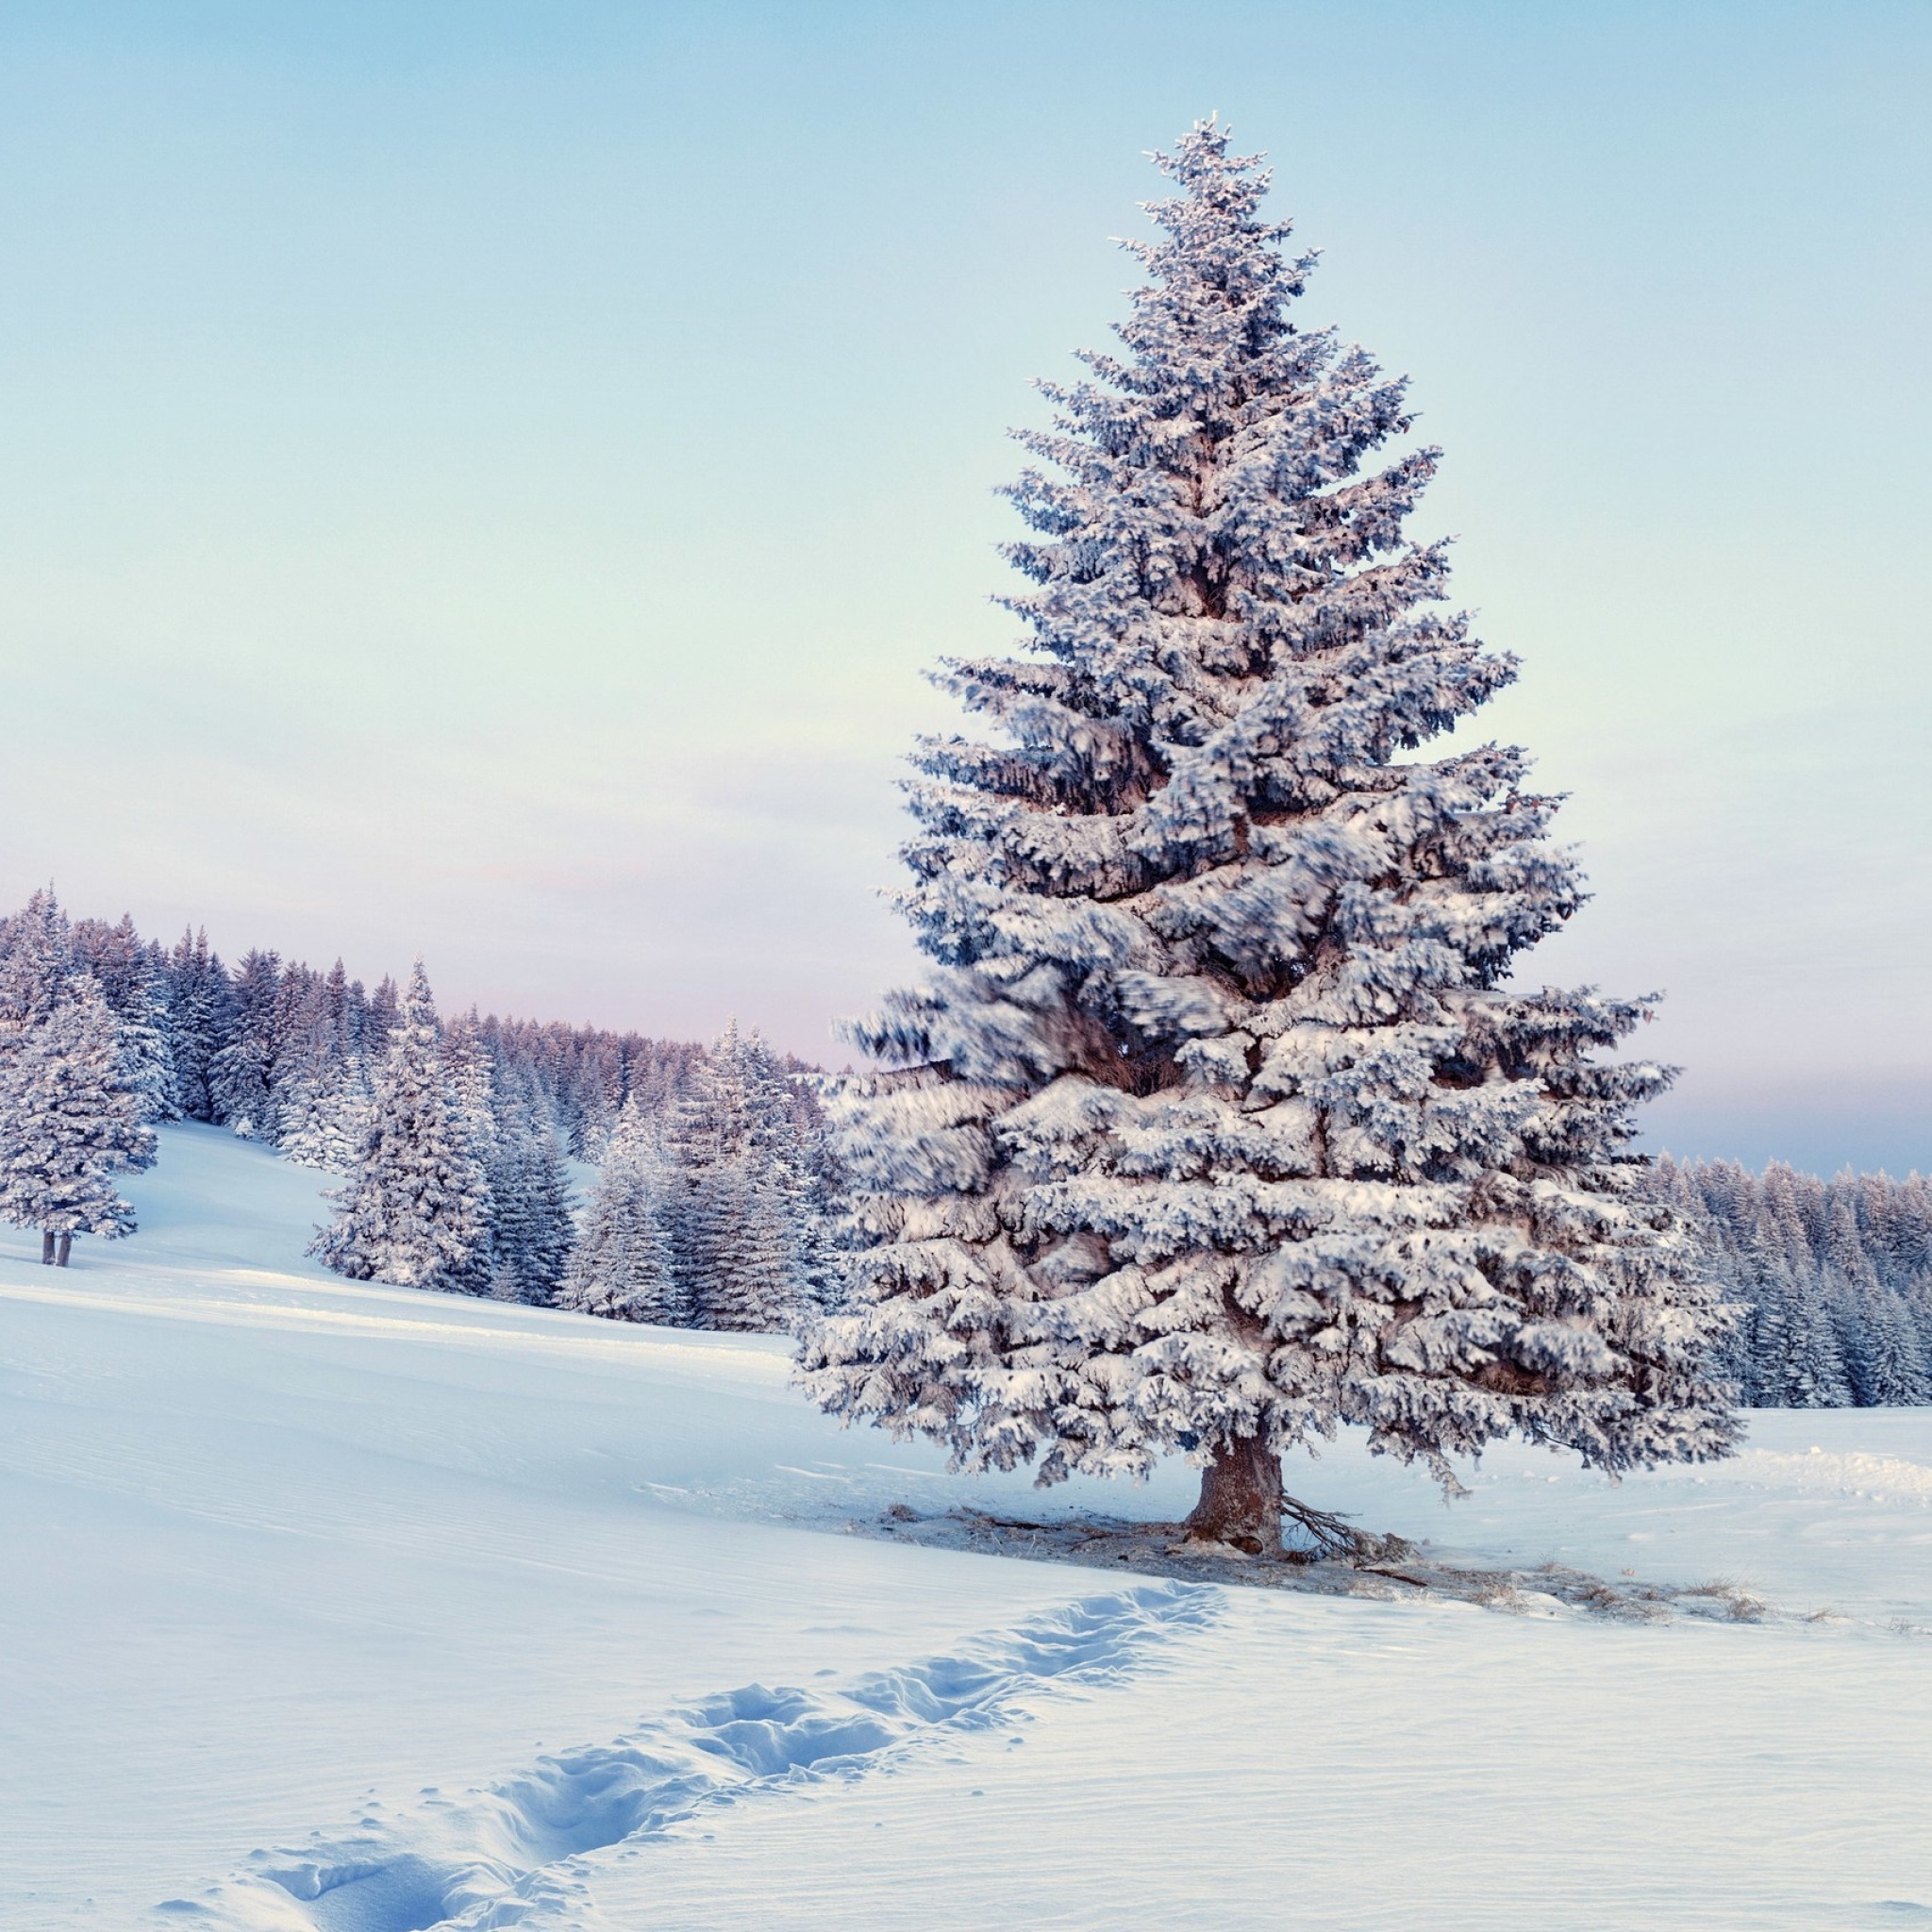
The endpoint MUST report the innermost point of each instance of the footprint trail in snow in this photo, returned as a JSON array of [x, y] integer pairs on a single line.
[[498, 1858]]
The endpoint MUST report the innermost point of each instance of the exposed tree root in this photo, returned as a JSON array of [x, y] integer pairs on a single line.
[[1342, 1561], [1336, 1538]]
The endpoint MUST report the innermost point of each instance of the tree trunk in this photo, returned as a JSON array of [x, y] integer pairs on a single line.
[[1240, 1498], [66, 1247], [46, 1247]]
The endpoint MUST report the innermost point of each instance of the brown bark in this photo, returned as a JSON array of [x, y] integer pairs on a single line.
[[1240, 1498], [66, 1247], [46, 1247], [1242, 1504]]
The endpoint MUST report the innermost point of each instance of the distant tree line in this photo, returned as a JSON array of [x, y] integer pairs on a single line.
[[1832, 1281], [286, 1054], [711, 1209], [715, 1204]]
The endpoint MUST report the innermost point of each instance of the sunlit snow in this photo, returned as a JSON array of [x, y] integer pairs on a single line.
[[352, 1607]]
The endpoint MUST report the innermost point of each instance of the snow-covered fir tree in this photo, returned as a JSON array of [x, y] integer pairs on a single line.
[[36, 962], [412, 1211], [133, 980], [201, 1009], [737, 1206], [532, 1222], [69, 1122], [472, 1079], [1218, 1122], [147, 1055], [623, 1264], [322, 1096], [243, 1072], [326, 1110], [380, 1015], [1884, 1353]]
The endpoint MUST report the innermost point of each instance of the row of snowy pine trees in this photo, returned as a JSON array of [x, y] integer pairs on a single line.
[[707, 1214], [717, 1212], [714, 1205], [710, 1210], [1832, 1279], [286, 1054]]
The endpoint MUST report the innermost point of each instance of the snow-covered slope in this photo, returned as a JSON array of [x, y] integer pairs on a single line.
[[337, 1607]]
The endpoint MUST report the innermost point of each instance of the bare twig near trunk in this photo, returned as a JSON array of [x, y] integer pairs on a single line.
[[1243, 1505]]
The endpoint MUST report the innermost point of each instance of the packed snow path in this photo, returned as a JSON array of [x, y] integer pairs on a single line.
[[499, 1856], [283, 1551]]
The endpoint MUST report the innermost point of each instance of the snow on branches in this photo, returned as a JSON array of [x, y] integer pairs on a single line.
[[72, 1098], [1218, 1122], [414, 1210]]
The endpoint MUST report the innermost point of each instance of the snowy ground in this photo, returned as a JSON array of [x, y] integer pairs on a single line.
[[361, 1609]]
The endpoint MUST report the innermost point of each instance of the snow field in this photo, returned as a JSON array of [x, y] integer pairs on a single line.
[[283, 1551], [1313, 1764], [504, 1856]]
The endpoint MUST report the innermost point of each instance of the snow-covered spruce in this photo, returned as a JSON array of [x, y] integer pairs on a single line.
[[1832, 1281], [532, 1222], [737, 1209], [1217, 1125], [201, 1007], [132, 978], [624, 1264], [70, 1114], [413, 1210]]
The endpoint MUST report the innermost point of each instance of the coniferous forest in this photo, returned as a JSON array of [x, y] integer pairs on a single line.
[[1107, 1102], [455, 1138], [715, 1204]]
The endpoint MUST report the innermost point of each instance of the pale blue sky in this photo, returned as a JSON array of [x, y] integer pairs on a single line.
[[485, 479]]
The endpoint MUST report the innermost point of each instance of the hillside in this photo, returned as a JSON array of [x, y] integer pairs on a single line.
[[342, 1606]]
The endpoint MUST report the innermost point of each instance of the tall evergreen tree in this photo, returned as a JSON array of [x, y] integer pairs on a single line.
[[344, 1096], [380, 1017], [132, 981], [737, 1204], [69, 1122], [114, 955], [532, 1224], [1218, 1124], [623, 1264], [36, 962], [201, 1015], [243, 1072], [1883, 1350], [412, 1211], [147, 1056]]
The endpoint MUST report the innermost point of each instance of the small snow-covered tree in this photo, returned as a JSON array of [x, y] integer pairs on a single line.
[[1800, 1362], [737, 1204], [1883, 1352], [1219, 1123], [69, 1122], [470, 1078], [531, 1219], [411, 1212], [132, 980], [1700, 1194], [379, 1011], [623, 1264]]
